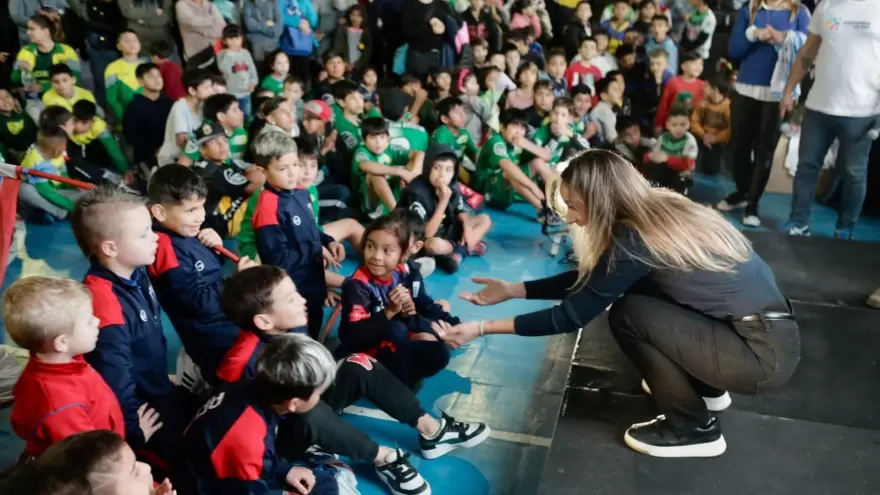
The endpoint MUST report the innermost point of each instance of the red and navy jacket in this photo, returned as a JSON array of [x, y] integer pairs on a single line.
[[288, 237], [131, 354], [240, 361], [54, 401], [363, 326], [188, 278], [230, 448]]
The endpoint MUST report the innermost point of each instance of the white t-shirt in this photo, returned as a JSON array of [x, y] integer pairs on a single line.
[[697, 25], [180, 119], [848, 64]]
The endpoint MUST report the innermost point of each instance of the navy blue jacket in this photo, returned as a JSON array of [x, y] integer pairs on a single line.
[[188, 278], [131, 353], [288, 237], [363, 326], [240, 361], [230, 449]]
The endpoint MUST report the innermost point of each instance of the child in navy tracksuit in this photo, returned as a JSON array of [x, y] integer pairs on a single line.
[[187, 275], [285, 228], [114, 230], [232, 445], [265, 302], [383, 317]]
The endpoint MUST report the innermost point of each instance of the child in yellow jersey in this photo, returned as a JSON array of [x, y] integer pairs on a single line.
[[120, 80], [97, 145], [46, 200], [65, 92]]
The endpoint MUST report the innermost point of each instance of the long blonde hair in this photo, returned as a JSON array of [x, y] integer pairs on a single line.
[[755, 6], [678, 233]]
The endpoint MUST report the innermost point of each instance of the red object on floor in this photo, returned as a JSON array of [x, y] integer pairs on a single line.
[[8, 209]]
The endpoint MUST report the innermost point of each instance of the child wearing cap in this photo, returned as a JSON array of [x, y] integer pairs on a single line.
[[223, 109]]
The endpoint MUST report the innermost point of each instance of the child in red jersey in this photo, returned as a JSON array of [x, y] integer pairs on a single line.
[[58, 393]]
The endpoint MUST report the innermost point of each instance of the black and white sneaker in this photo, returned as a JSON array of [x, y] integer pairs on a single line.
[[713, 404], [732, 202], [401, 477], [453, 435], [657, 438]]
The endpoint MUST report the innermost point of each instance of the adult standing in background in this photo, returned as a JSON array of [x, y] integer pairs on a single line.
[[843, 104], [758, 33], [22, 10], [263, 24], [201, 25], [692, 305], [423, 24], [150, 19]]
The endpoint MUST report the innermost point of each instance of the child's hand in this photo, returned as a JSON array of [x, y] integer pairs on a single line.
[[332, 299], [338, 251], [444, 192], [591, 130], [329, 143], [4, 56], [407, 175], [329, 259], [251, 87], [305, 28], [469, 238], [708, 139], [762, 34], [164, 488], [255, 175], [439, 326], [244, 263], [301, 479], [396, 299], [409, 308], [210, 238], [25, 66], [658, 157], [148, 420]]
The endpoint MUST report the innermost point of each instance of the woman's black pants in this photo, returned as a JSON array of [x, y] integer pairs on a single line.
[[685, 355], [755, 133]]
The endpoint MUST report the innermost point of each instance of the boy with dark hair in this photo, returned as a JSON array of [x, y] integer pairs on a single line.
[[659, 39], [172, 74], [582, 96], [114, 230], [223, 109], [284, 226], [453, 133], [349, 110], [609, 90], [500, 175], [451, 234], [559, 137], [143, 123], [711, 124], [294, 89], [334, 66], [582, 71], [699, 28], [97, 145], [186, 274], [539, 113], [556, 67], [265, 302], [120, 79], [65, 93], [375, 162], [629, 143], [686, 89], [671, 162], [46, 199], [238, 67], [185, 116], [519, 39]]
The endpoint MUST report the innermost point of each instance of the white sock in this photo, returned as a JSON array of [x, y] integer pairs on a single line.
[[439, 430], [391, 457]]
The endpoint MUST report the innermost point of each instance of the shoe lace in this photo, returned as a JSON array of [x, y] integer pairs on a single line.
[[401, 468]]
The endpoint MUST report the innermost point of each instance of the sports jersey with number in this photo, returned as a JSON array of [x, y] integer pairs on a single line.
[[462, 142]]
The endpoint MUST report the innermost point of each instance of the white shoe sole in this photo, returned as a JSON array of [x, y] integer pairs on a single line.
[[714, 404], [446, 448], [752, 221], [709, 449], [725, 206], [427, 490]]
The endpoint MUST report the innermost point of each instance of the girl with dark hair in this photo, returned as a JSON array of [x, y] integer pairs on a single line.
[[691, 304], [353, 39]]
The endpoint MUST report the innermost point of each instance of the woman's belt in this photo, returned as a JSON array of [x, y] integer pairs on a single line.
[[772, 313]]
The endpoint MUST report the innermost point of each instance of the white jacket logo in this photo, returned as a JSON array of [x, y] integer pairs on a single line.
[[143, 315], [297, 220], [200, 266]]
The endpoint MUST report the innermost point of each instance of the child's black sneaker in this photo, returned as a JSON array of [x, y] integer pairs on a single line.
[[657, 438], [453, 435], [401, 477]]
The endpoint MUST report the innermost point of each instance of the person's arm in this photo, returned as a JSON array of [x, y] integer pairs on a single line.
[[186, 18], [359, 328], [272, 243], [426, 307], [50, 194], [63, 422], [697, 123], [742, 36], [666, 100], [252, 25], [20, 12], [252, 70], [113, 150], [536, 150], [112, 96], [804, 61], [184, 282]]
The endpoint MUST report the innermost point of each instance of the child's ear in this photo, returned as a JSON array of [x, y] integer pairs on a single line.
[[108, 249], [158, 212], [417, 247], [263, 322], [58, 344]]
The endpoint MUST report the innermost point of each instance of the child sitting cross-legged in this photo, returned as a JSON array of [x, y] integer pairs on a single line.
[[65, 93], [47, 200], [559, 136], [114, 231], [383, 317], [187, 275], [452, 234], [265, 302], [284, 224], [58, 393], [96, 142], [671, 162], [378, 168]]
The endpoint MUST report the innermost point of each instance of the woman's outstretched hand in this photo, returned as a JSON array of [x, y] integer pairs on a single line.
[[460, 334], [494, 292]]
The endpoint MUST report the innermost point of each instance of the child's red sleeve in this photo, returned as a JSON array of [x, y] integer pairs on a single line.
[[665, 102]]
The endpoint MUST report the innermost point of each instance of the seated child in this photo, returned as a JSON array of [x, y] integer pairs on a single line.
[[237, 66], [143, 123], [630, 144], [381, 316], [96, 144], [97, 461], [369, 82], [334, 65], [187, 275], [452, 235], [609, 91], [585, 124], [660, 39], [559, 137], [604, 59], [120, 77], [378, 169], [77, 167], [583, 71], [349, 110], [47, 200], [294, 89], [265, 302], [618, 24], [686, 89], [172, 74], [556, 67], [228, 185], [114, 231], [711, 124], [58, 393], [501, 177], [453, 133], [671, 162], [17, 130], [284, 224], [223, 109], [539, 113], [278, 66], [65, 92]]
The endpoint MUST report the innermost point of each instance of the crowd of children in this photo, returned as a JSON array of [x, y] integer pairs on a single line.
[[249, 146]]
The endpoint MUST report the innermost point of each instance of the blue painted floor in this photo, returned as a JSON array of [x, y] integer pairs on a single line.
[[513, 384]]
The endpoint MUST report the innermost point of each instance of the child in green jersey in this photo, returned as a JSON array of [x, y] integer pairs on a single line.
[[223, 109], [559, 137], [452, 133], [278, 66], [378, 170]]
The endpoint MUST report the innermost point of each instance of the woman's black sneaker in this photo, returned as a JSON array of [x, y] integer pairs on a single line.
[[657, 438]]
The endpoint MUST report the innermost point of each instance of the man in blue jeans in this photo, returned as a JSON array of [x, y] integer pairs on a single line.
[[844, 104]]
